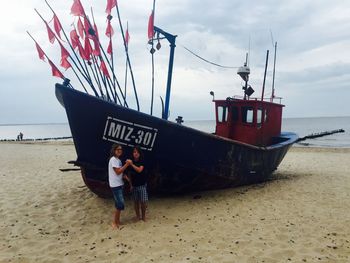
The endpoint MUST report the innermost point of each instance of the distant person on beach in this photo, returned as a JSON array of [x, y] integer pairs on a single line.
[[20, 136], [115, 178], [138, 177]]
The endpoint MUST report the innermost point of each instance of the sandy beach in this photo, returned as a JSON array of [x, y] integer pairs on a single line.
[[301, 215]]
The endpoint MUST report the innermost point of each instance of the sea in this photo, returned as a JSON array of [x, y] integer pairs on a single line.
[[301, 126]]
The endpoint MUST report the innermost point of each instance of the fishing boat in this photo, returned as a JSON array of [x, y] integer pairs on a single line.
[[246, 147]]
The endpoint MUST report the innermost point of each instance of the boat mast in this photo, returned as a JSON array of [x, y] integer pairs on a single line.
[[244, 72], [273, 76], [263, 87], [171, 38]]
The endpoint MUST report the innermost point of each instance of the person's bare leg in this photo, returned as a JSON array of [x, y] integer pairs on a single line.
[[143, 210], [137, 209], [116, 222]]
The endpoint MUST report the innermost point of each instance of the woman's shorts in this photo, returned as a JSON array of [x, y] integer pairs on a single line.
[[118, 197], [139, 193]]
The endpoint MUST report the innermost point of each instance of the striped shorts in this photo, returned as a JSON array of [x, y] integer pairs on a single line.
[[139, 193]]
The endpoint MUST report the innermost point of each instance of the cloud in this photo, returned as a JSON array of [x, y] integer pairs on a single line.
[[313, 55]]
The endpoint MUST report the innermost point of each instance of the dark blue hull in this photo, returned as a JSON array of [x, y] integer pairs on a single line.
[[178, 158]]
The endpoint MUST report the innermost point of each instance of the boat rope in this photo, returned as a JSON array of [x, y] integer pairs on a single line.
[[205, 60]]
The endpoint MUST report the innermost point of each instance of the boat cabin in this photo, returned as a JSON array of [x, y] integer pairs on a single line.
[[250, 121]]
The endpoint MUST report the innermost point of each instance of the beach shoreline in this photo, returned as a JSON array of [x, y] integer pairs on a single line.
[[300, 215]]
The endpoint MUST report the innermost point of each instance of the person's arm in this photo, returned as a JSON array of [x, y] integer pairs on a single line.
[[138, 169], [120, 170], [127, 179]]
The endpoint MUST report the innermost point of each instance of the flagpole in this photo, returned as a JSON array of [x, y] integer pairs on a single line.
[[152, 52], [126, 63], [128, 59]]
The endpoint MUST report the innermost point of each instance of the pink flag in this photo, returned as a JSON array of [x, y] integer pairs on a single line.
[[80, 28], [82, 51], [74, 38], [55, 70], [50, 33], [96, 32], [110, 47], [87, 48], [64, 52], [109, 29], [65, 63], [40, 52], [110, 5], [57, 26], [97, 51], [87, 26], [104, 69], [77, 8], [151, 26]]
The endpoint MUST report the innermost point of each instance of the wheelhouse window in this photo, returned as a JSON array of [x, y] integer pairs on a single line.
[[234, 114], [222, 113], [259, 117], [247, 115]]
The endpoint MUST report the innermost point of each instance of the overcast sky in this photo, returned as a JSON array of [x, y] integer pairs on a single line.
[[313, 56]]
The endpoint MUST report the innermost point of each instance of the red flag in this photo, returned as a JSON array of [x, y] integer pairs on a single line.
[[50, 33], [77, 8], [110, 5], [57, 25], [87, 26], [65, 63], [97, 51], [80, 28], [64, 52], [96, 32], [40, 52], [104, 69], [127, 37], [151, 26], [82, 51], [87, 48], [110, 47], [109, 29], [55, 70], [74, 38]]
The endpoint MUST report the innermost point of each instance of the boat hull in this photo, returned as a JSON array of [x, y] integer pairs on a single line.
[[178, 158]]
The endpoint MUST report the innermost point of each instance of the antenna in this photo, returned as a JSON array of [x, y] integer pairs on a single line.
[[248, 55]]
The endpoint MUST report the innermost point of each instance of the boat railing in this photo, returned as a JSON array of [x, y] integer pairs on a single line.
[[277, 100]]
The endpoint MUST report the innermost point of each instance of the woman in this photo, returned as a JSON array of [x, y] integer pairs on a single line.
[[115, 178], [139, 183]]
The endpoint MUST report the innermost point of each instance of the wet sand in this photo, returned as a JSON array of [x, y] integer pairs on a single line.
[[301, 215]]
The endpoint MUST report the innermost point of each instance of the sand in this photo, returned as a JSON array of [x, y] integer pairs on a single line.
[[301, 215]]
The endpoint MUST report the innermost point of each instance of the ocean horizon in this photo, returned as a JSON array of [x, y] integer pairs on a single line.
[[301, 125]]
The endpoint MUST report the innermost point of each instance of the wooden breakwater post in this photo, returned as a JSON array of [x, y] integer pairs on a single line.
[[320, 134]]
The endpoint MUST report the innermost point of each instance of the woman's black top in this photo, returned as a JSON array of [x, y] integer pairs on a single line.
[[138, 179]]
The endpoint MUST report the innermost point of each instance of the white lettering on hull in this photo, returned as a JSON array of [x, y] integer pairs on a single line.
[[130, 134]]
